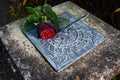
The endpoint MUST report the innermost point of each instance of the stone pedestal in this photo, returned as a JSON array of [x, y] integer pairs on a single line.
[[99, 64]]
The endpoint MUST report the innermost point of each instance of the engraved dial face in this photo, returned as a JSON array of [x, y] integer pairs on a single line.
[[69, 44]]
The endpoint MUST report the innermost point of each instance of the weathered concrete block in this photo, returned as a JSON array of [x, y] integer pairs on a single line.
[[99, 64]]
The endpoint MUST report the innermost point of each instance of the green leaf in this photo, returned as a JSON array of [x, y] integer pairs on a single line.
[[29, 26], [30, 10], [38, 11], [33, 18], [47, 9], [49, 6], [44, 19], [62, 20], [56, 24], [42, 14]]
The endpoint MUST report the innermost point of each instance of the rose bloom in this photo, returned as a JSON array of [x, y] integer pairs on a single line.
[[46, 31]]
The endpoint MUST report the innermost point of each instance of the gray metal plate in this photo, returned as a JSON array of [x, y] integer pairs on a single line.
[[69, 44]]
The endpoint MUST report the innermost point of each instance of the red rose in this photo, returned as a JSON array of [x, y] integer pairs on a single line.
[[46, 31]]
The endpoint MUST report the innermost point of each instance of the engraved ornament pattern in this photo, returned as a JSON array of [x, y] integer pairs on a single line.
[[69, 44]]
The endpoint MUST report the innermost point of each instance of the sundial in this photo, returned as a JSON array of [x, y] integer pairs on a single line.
[[73, 41]]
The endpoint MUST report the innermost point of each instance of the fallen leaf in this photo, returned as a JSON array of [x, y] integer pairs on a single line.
[[19, 5], [117, 10], [24, 2], [77, 78]]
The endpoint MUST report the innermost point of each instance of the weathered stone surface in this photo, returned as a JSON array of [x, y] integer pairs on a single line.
[[99, 64]]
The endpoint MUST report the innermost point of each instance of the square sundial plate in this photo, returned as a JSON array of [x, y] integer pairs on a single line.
[[69, 44]]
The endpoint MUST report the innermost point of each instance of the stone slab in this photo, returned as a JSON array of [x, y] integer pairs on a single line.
[[100, 64]]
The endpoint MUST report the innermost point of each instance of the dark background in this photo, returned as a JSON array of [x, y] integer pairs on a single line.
[[11, 10]]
